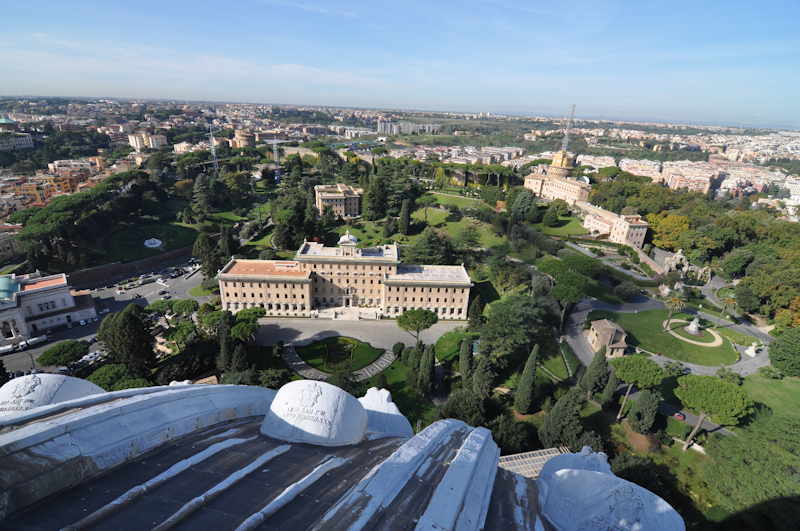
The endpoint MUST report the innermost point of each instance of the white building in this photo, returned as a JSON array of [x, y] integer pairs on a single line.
[[138, 141], [623, 229], [31, 304], [156, 141]]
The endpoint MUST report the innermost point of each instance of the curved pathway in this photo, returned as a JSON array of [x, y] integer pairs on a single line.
[[574, 335], [717, 338], [298, 365]]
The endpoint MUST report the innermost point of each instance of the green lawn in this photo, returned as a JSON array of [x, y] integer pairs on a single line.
[[127, 244], [568, 226], [460, 202], [335, 352], [782, 396], [736, 336], [645, 330], [264, 240], [200, 291], [420, 411], [227, 216], [448, 346]]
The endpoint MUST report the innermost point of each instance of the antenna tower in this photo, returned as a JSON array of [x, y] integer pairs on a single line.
[[567, 126], [276, 158], [213, 150]]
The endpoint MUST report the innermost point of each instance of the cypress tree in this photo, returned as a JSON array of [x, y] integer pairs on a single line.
[[483, 377], [523, 398], [475, 313], [465, 360], [426, 367], [596, 376], [405, 217], [607, 397], [223, 337]]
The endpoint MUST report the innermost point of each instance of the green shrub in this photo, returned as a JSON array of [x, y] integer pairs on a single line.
[[64, 353], [109, 375], [130, 383], [771, 372], [676, 428]]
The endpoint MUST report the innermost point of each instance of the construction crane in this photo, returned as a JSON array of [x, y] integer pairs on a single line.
[[567, 126]]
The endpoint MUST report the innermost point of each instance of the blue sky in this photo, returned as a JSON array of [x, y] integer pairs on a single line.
[[731, 62]]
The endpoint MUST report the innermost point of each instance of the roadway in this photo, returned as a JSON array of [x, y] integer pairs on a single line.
[[106, 299]]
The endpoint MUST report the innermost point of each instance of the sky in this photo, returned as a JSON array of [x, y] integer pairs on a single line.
[[702, 61]]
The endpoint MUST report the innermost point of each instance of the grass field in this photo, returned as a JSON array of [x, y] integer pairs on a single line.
[[127, 244], [370, 233], [200, 291], [460, 202], [335, 352], [568, 226], [448, 346], [645, 330], [781, 396]]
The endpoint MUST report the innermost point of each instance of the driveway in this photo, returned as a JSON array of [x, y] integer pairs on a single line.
[[380, 334]]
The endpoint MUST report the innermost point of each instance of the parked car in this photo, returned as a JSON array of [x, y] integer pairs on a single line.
[[678, 415], [83, 322], [165, 297], [163, 292]]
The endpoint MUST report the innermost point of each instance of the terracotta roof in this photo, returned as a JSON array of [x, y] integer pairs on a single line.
[[45, 283], [281, 268]]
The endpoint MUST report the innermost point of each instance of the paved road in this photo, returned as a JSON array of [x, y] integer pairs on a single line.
[[298, 365], [608, 263], [709, 290], [106, 299], [380, 334]]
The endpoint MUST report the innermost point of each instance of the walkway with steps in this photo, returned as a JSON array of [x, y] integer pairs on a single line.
[[298, 365]]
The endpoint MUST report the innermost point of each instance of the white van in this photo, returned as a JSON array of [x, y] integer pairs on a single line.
[[5, 349]]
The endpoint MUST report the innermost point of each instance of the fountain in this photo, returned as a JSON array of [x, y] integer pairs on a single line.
[[694, 327], [752, 350]]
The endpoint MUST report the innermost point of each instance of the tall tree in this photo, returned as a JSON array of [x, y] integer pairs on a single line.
[[523, 397], [483, 377], [723, 402], [475, 313], [205, 250], [644, 410], [128, 338], [675, 304], [636, 370], [465, 360], [513, 324], [404, 223], [224, 340], [596, 375], [201, 197], [426, 368], [416, 320], [607, 397], [562, 425], [784, 352]]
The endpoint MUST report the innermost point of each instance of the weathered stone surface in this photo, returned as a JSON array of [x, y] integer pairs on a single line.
[[36, 390]]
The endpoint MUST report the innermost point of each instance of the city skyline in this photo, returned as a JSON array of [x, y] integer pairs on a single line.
[[717, 64]]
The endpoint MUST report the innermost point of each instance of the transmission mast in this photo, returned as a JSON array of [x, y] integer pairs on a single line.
[[213, 150], [567, 127], [276, 158]]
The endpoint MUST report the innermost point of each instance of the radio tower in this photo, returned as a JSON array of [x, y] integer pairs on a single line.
[[213, 151], [276, 158], [567, 126]]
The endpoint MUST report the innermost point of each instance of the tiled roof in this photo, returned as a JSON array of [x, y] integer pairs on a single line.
[[260, 268]]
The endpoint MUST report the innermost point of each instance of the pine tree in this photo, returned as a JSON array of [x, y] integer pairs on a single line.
[[205, 251], [523, 397], [465, 360], [483, 377], [201, 201], [596, 376], [405, 217], [644, 410], [426, 368], [562, 425], [475, 313], [607, 397]]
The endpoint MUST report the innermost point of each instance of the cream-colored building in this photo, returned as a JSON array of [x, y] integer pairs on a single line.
[[344, 276], [343, 199], [547, 186], [608, 334], [32, 304], [624, 229]]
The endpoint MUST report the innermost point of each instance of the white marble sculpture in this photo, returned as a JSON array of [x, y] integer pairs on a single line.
[[578, 492], [312, 412], [383, 417], [42, 389], [694, 327], [752, 350]]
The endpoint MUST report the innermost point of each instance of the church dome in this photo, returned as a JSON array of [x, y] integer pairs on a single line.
[[42, 389], [348, 239]]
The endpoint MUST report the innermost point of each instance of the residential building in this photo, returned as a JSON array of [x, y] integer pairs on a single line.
[[692, 183], [242, 139], [623, 229], [31, 304], [138, 141], [547, 186], [645, 168], [343, 199], [156, 141], [182, 147], [595, 161], [15, 141], [609, 335], [344, 276]]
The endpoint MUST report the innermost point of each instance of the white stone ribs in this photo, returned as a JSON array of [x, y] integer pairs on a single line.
[[290, 493], [141, 489], [199, 501], [461, 500]]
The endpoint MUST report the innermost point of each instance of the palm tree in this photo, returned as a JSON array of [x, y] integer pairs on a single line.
[[675, 303]]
